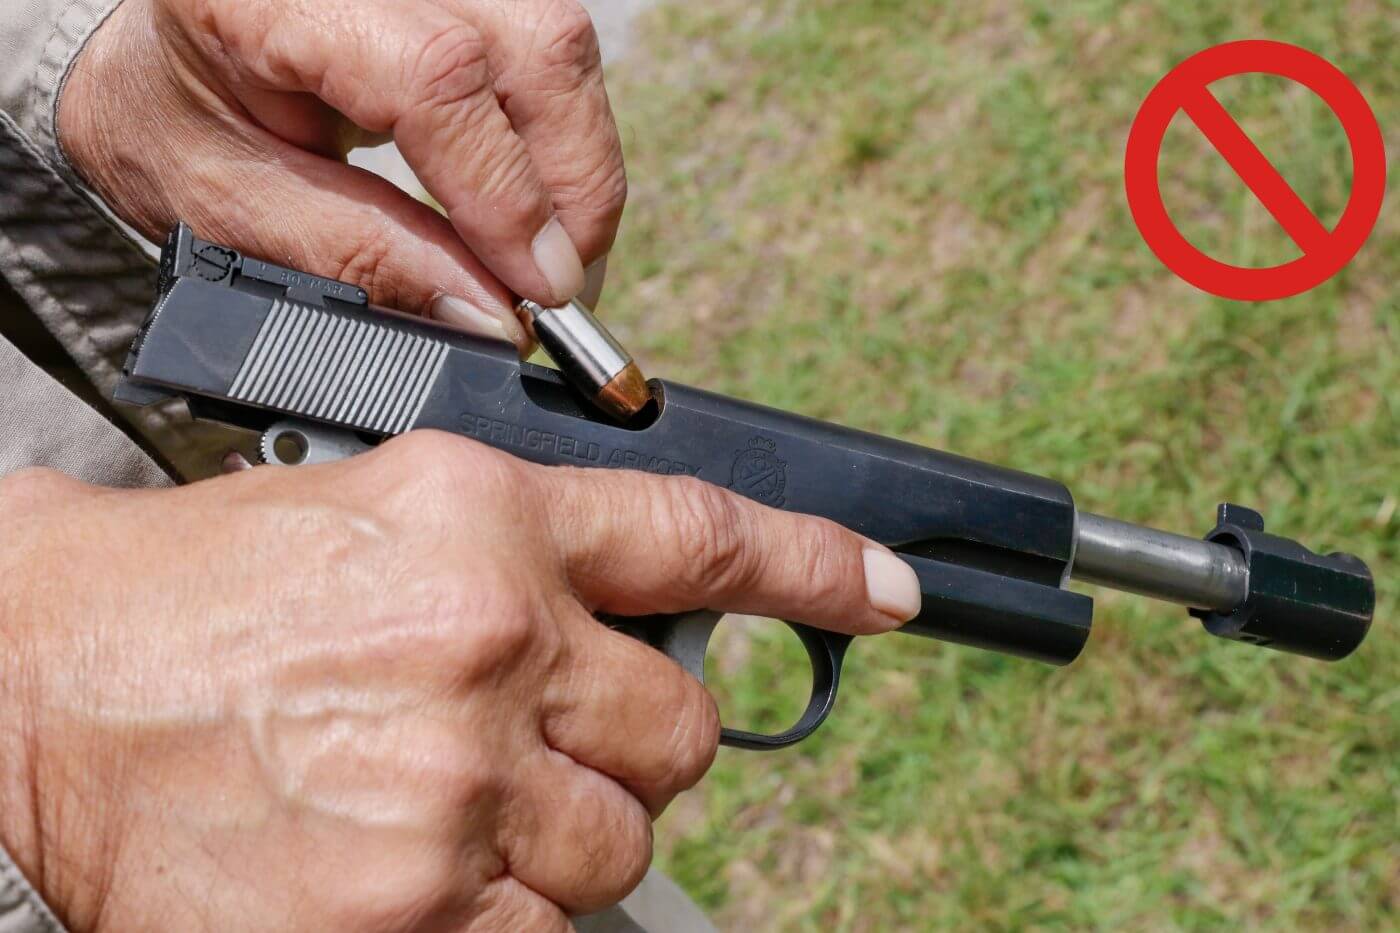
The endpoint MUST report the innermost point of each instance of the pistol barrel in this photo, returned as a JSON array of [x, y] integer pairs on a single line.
[[1243, 583], [1159, 564]]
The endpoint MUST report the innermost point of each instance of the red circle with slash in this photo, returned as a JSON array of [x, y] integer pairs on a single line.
[[1325, 251]]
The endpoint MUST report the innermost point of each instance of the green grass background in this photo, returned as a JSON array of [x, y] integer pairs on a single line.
[[907, 216]]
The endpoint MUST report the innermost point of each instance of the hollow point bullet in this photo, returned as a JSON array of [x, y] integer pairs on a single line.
[[589, 356]]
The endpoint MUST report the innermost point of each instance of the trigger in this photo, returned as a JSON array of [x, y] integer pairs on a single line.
[[687, 639], [683, 637]]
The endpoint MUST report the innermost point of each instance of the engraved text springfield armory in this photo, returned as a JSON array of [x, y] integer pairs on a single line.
[[498, 432]]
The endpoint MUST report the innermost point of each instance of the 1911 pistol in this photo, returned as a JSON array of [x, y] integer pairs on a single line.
[[307, 362]]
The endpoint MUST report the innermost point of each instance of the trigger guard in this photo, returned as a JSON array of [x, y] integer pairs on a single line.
[[825, 651], [685, 637]]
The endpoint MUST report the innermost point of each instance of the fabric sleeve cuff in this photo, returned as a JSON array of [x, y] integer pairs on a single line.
[[21, 908]]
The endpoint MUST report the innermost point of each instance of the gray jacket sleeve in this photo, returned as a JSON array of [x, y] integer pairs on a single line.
[[38, 40], [82, 277], [86, 278], [21, 910]]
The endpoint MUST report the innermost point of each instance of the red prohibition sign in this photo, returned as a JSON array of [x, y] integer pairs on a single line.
[[1325, 251]]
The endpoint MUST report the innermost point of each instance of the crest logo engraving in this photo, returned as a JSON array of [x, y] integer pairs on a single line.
[[758, 473]]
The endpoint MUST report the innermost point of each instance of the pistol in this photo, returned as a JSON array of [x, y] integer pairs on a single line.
[[320, 374]]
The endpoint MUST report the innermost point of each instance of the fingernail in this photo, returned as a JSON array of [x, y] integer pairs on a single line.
[[593, 278], [462, 313], [234, 462], [892, 585], [558, 261]]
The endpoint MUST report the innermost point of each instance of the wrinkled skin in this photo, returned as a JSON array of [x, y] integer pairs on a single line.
[[371, 695], [236, 116]]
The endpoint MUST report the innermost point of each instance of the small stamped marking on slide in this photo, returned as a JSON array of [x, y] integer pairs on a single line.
[[758, 473]]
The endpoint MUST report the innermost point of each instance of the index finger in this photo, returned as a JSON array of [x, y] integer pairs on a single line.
[[422, 73], [550, 83], [634, 544]]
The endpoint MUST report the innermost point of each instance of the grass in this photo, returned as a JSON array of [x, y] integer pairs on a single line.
[[907, 216]]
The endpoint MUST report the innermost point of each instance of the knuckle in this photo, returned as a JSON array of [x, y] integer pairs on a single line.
[[599, 196], [456, 100], [451, 96], [493, 476], [450, 67], [706, 530], [426, 446], [824, 564], [506, 905], [634, 852], [490, 625], [695, 738], [614, 857], [427, 471], [566, 40], [608, 192], [446, 468]]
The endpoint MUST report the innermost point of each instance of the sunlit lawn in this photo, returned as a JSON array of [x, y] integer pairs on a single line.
[[908, 217]]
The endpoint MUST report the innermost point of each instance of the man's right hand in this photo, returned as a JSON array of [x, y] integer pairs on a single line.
[[372, 695]]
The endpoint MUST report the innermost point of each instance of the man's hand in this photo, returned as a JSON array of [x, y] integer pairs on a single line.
[[236, 115], [372, 695]]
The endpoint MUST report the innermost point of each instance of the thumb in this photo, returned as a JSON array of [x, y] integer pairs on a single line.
[[331, 219]]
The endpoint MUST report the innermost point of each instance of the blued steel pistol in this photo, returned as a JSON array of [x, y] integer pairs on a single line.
[[322, 375]]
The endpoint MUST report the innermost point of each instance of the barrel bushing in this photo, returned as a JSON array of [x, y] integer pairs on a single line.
[[1300, 602]]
